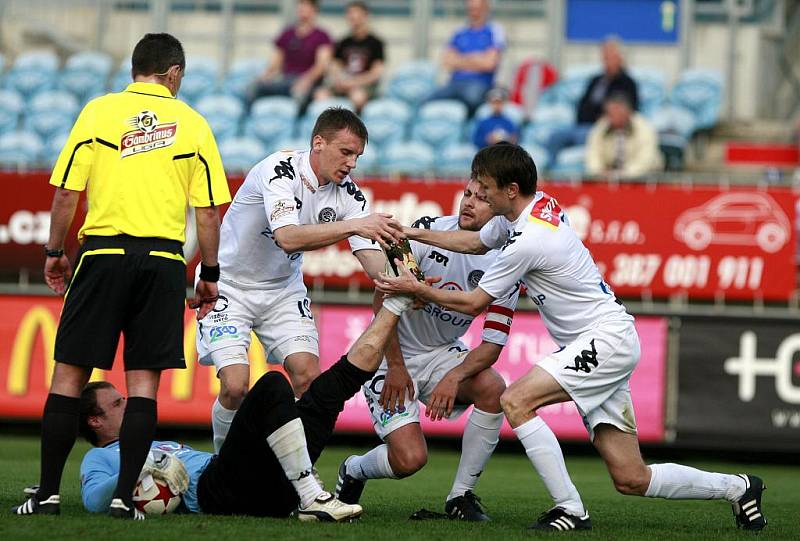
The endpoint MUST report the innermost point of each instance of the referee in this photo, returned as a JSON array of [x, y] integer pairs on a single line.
[[143, 156]]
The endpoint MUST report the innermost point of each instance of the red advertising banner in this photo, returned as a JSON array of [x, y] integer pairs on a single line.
[[651, 240], [28, 329]]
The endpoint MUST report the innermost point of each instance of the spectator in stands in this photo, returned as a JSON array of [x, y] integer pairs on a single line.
[[302, 54], [613, 80], [622, 143], [358, 60], [496, 127], [472, 56]]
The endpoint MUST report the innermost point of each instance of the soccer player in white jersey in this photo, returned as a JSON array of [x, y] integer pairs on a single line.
[[598, 340], [430, 364], [290, 202]]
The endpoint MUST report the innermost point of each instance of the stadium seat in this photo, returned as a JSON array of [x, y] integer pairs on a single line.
[[513, 111], [223, 113], [572, 85], [650, 87], [369, 162], [439, 123], [271, 118], [20, 149], [674, 120], [413, 81], [11, 105], [289, 143], [547, 119], [32, 72], [122, 77], [54, 145], [540, 155], [315, 108], [242, 72], [200, 78], [51, 112], [407, 158], [455, 160], [570, 161], [700, 91], [240, 154], [86, 73], [386, 119]]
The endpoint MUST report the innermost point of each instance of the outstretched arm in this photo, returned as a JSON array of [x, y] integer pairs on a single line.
[[367, 352], [462, 241]]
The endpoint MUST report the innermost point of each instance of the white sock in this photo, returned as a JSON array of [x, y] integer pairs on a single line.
[[677, 482], [480, 438], [221, 419], [545, 454], [398, 304], [373, 465], [289, 445]]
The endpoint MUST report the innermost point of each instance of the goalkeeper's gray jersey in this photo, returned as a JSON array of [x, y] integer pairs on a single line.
[[281, 190], [434, 326]]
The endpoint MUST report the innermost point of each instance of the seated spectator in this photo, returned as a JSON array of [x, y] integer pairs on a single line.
[[358, 60], [613, 80], [472, 56], [302, 54], [497, 127], [622, 143]]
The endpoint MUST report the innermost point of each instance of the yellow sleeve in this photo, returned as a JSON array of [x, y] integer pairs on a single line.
[[208, 186], [75, 161]]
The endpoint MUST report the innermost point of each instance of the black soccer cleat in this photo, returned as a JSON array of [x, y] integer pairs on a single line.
[[747, 510], [348, 488], [32, 506], [558, 520], [467, 507], [118, 509]]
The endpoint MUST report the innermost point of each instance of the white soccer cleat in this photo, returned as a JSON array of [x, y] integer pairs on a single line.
[[326, 508]]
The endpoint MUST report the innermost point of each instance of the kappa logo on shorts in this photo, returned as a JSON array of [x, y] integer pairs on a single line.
[[222, 304], [148, 134], [585, 359]]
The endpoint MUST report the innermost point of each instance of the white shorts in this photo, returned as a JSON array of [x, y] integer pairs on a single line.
[[426, 370], [281, 319], [595, 371]]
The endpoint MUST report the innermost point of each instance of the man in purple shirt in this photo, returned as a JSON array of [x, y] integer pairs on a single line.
[[302, 54], [472, 56]]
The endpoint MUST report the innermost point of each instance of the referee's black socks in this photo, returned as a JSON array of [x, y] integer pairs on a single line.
[[135, 437], [59, 430]]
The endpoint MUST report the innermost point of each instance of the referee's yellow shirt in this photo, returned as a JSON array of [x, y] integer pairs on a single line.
[[145, 156]]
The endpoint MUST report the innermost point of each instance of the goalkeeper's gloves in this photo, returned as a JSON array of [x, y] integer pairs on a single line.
[[167, 468]]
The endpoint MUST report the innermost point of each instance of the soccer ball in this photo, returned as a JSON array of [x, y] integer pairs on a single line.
[[153, 497]]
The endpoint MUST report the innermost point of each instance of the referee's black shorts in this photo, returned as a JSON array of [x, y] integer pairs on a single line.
[[132, 285]]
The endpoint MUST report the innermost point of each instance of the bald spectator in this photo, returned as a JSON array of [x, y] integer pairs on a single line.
[[613, 80], [622, 143], [472, 56]]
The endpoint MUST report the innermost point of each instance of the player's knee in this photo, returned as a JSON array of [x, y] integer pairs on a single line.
[[491, 388], [407, 461], [232, 393], [302, 379], [512, 402], [631, 482]]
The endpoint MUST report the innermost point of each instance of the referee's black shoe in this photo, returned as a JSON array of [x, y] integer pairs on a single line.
[[348, 488], [467, 507], [747, 509], [118, 509], [558, 520], [32, 506]]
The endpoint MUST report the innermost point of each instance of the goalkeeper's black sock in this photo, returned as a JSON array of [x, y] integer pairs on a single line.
[[59, 430], [135, 439]]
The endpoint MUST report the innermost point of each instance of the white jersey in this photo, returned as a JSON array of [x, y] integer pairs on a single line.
[[281, 190], [431, 327], [542, 250]]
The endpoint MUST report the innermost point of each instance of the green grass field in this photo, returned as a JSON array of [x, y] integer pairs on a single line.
[[509, 487]]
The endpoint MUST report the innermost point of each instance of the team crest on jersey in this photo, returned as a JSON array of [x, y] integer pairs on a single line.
[[327, 215], [147, 134], [474, 278], [546, 211]]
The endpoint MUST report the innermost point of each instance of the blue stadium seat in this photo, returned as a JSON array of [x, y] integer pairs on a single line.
[[540, 155], [223, 113], [369, 162], [413, 81], [386, 119], [271, 118], [242, 72], [439, 123], [651, 88], [407, 158], [674, 120], [547, 119], [240, 154], [513, 111], [54, 145], [569, 89], [290, 143], [11, 106], [51, 112], [455, 160], [32, 72], [200, 78], [20, 149], [700, 91], [122, 77], [86, 73], [315, 108], [570, 161]]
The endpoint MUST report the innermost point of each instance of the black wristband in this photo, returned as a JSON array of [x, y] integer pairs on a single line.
[[209, 273], [53, 253]]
